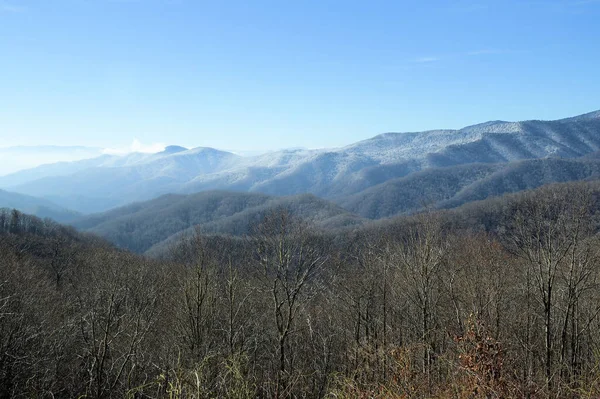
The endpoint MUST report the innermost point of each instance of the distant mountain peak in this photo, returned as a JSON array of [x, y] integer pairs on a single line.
[[173, 149], [208, 150]]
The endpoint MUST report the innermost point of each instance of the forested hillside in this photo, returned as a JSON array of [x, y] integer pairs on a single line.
[[497, 298], [36, 206], [141, 226], [154, 225], [456, 185]]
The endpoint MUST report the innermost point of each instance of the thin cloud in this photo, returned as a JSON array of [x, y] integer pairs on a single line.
[[426, 60], [493, 51], [459, 55]]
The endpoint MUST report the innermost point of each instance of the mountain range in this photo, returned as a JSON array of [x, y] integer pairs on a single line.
[[383, 176]]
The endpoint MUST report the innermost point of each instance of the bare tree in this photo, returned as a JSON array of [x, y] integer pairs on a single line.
[[199, 299], [420, 255], [288, 257], [548, 231]]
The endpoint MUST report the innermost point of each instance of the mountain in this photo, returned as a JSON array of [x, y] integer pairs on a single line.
[[456, 185], [36, 206], [73, 167], [333, 174], [114, 181], [426, 188], [52, 170], [141, 226], [526, 175], [25, 157]]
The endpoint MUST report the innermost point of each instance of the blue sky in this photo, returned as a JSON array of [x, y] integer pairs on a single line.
[[254, 75]]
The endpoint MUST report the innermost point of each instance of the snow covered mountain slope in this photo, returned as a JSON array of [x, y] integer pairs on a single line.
[[330, 173], [452, 186]]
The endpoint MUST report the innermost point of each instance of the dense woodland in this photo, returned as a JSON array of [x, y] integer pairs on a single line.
[[152, 226], [496, 299]]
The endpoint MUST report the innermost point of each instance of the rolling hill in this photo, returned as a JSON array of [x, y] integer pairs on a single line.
[[140, 226], [36, 206]]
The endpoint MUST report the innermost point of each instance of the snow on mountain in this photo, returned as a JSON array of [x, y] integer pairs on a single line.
[[332, 173]]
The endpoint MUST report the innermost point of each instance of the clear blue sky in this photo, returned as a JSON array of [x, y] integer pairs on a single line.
[[271, 74]]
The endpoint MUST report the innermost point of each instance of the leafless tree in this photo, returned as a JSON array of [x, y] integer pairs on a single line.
[[288, 258]]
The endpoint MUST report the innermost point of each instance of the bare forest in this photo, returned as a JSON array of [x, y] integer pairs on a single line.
[[499, 299]]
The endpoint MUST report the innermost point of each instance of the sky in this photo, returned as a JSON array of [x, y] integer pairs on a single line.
[[259, 75]]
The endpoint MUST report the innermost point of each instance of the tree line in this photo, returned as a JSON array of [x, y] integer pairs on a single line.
[[417, 308]]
